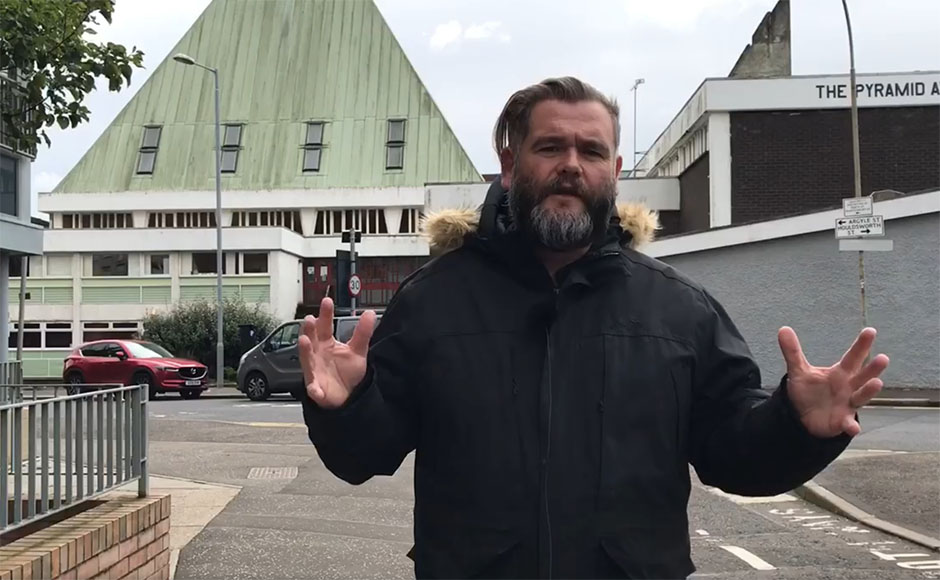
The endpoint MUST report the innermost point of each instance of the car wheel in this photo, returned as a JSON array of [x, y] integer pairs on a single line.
[[144, 378], [256, 387], [191, 394], [75, 381]]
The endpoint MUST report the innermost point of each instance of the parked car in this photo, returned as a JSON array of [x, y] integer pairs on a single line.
[[272, 366], [133, 362]]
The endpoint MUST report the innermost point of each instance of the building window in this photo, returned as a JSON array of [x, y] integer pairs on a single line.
[[181, 219], [97, 221], [313, 147], [109, 265], [205, 263], [16, 266], [8, 189], [58, 335], [231, 145], [367, 221], [395, 144], [159, 264], [255, 263], [114, 331], [148, 150], [32, 335], [289, 219], [409, 221]]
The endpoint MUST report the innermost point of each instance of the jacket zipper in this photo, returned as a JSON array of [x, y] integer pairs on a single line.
[[548, 430]]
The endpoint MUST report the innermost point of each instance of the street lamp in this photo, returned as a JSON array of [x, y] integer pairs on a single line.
[[633, 89], [856, 154], [220, 349]]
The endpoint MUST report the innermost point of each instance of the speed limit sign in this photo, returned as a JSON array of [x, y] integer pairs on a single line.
[[355, 285]]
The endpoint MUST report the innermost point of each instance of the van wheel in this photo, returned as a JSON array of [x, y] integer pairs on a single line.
[[256, 387]]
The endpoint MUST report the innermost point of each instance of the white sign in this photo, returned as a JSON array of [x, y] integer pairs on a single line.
[[853, 206], [355, 285], [862, 245], [860, 227]]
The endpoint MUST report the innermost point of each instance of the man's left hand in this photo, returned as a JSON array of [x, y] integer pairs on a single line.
[[827, 398]]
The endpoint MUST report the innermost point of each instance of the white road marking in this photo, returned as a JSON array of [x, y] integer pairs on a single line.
[[701, 532], [159, 416], [751, 560], [744, 500]]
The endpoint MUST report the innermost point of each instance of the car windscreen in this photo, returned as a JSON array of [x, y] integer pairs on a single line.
[[147, 350]]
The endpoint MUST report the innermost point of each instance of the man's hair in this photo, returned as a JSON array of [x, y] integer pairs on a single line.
[[512, 127]]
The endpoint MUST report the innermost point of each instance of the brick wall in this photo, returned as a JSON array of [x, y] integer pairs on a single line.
[[695, 197], [798, 161], [124, 538]]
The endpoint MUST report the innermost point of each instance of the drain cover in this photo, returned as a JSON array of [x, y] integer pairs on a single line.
[[272, 473]]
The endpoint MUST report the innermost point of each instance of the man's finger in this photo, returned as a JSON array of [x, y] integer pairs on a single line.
[[791, 349], [864, 395], [850, 426], [872, 370], [325, 321], [307, 362], [362, 334], [854, 357]]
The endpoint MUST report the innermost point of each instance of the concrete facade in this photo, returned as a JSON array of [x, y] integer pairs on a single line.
[[805, 282]]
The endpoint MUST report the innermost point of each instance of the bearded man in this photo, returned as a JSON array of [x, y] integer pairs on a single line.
[[556, 384]]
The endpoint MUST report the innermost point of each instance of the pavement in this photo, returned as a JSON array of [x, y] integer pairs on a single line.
[[890, 475], [290, 517]]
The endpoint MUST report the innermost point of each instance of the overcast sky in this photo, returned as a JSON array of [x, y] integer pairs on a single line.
[[472, 54]]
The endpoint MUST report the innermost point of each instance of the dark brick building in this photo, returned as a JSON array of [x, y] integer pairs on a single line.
[[748, 150]]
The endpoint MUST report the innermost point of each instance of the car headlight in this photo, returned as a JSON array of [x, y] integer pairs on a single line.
[[168, 369], [242, 359]]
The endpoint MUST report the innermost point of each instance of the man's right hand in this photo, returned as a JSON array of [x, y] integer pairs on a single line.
[[331, 368]]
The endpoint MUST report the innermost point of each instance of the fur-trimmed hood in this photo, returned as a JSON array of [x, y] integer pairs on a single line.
[[446, 229]]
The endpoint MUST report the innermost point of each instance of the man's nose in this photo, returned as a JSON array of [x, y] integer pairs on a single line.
[[571, 162]]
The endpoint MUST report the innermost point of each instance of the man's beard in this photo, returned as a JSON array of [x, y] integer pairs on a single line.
[[559, 229]]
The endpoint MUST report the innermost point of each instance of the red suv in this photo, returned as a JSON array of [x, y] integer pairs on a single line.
[[133, 362]]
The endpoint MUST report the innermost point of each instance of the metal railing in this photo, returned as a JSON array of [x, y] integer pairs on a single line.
[[11, 373], [77, 447]]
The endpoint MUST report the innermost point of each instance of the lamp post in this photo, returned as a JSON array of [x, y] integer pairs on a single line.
[[856, 154], [220, 349], [633, 89]]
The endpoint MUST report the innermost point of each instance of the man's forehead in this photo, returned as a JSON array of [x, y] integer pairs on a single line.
[[583, 118]]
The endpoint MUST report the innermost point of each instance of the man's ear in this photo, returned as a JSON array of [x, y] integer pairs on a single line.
[[507, 163], [619, 166]]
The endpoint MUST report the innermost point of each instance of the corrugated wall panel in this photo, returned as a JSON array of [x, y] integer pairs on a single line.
[[281, 63]]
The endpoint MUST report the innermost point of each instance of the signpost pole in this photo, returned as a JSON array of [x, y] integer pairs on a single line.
[[352, 266], [856, 152]]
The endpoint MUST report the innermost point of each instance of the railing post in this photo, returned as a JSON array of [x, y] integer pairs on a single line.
[[143, 484]]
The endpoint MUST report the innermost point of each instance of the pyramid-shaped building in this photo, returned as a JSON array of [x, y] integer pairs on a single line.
[[325, 127]]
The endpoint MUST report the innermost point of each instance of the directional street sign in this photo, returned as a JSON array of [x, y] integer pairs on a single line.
[[860, 227], [855, 206]]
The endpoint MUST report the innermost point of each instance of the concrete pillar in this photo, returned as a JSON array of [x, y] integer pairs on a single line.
[[719, 169], [4, 305]]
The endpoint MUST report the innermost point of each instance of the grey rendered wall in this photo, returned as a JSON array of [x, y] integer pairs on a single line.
[[807, 283]]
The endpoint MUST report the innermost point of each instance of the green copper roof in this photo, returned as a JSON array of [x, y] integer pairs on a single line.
[[281, 64]]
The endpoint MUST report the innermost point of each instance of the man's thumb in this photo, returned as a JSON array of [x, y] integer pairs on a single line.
[[362, 334], [791, 349]]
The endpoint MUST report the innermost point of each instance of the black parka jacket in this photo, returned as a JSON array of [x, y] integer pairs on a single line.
[[554, 422]]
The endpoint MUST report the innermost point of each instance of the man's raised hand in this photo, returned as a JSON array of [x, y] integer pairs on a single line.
[[332, 369], [827, 398]]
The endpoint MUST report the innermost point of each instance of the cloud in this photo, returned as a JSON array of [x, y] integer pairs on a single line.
[[453, 32], [480, 31], [447, 33]]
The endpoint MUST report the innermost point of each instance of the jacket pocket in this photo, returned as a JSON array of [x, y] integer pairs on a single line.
[[646, 552], [641, 428], [451, 543]]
